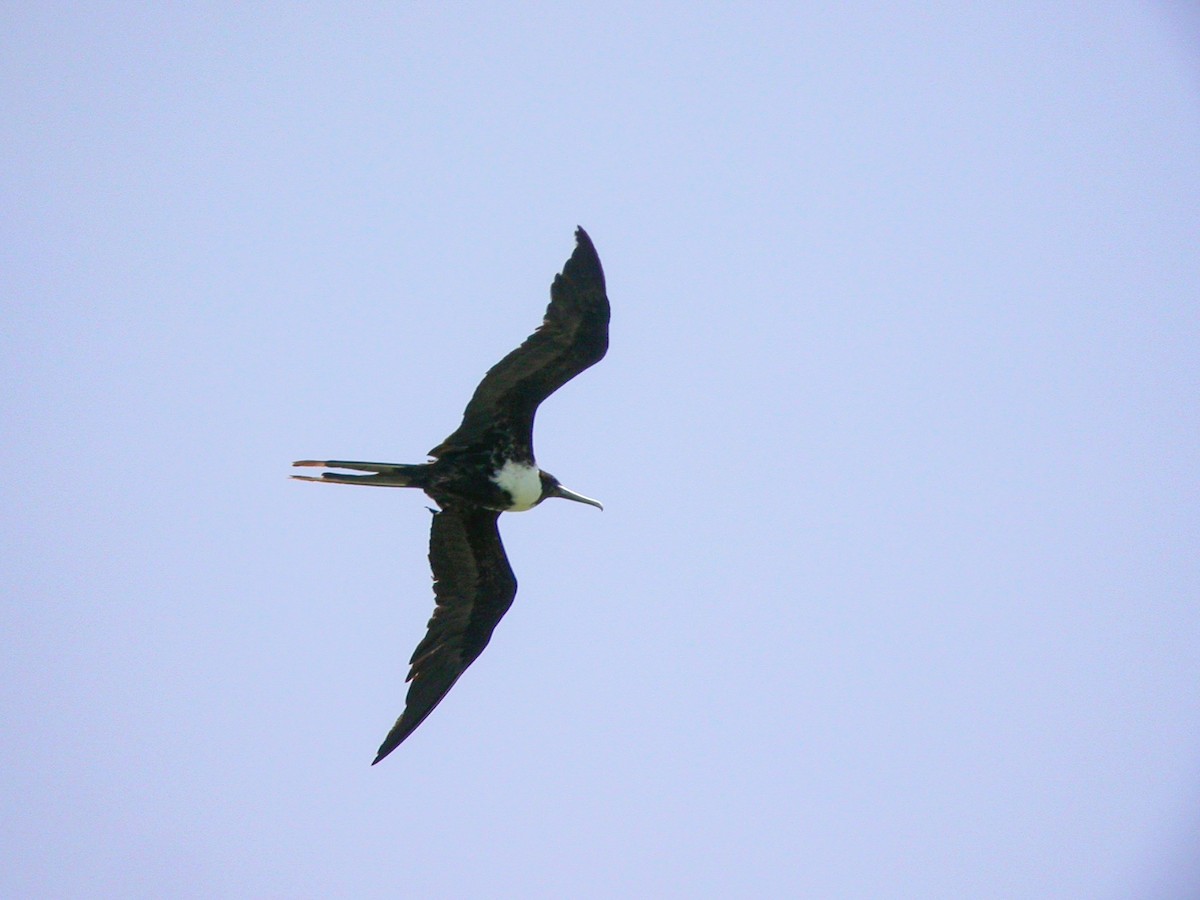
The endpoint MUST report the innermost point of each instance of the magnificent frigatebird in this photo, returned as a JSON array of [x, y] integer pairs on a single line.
[[485, 468]]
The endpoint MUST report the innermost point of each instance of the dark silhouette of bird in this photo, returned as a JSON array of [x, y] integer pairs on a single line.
[[486, 467]]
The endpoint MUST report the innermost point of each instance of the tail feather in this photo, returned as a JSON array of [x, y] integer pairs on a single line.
[[381, 474]]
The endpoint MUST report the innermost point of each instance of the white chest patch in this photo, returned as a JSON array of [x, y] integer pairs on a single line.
[[523, 483]]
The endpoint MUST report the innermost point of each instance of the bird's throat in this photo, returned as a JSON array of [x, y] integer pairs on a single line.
[[522, 482]]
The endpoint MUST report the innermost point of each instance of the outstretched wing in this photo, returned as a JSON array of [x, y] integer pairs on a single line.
[[474, 586], [573, 336]]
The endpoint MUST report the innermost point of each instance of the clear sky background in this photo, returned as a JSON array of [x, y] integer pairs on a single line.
[[897, 588]]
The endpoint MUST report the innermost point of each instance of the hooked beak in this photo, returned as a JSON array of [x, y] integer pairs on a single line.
[[568, 494]]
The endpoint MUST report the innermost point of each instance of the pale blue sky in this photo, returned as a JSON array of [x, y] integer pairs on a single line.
[[896, 592]]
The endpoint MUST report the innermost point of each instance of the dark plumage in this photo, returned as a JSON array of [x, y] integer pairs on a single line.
[[484, 468]]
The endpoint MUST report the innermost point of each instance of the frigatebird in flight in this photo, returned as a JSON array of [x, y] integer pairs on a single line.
[[485, 468]]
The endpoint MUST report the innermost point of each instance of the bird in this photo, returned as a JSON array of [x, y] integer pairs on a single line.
[[484, 468]]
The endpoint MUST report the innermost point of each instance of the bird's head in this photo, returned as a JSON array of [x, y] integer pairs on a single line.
[[552, 487]]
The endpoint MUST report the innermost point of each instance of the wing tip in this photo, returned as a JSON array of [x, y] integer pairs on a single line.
[[583, 239], [584, 264], [400, 731]]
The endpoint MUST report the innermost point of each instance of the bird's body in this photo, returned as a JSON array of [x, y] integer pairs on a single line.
[[484, 468]]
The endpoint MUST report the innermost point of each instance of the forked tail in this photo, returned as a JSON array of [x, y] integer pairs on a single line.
[[381, 474]]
